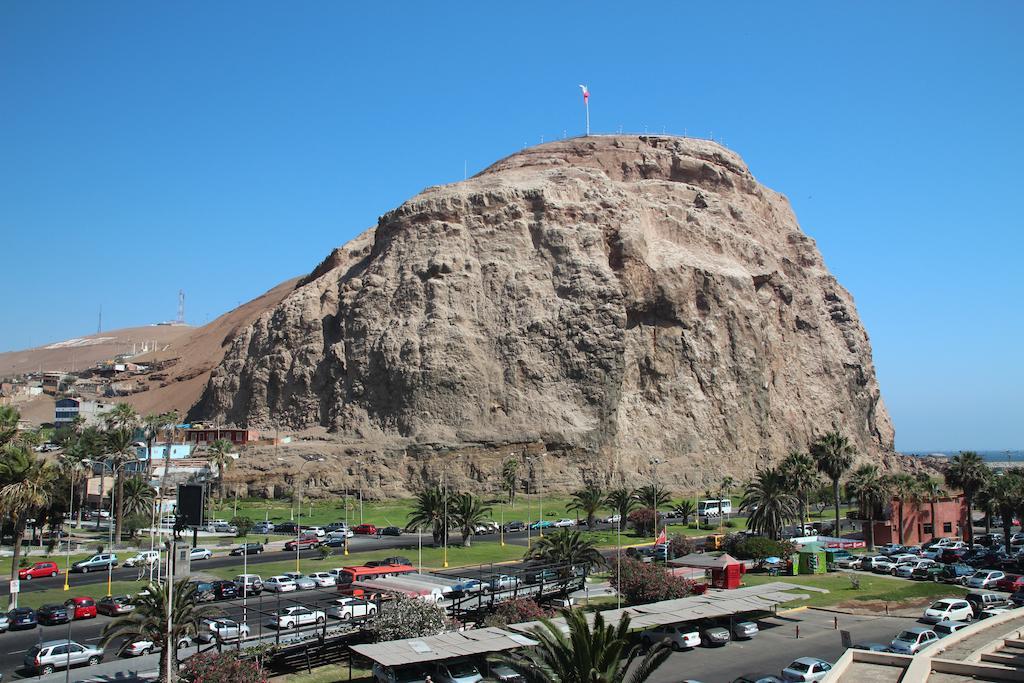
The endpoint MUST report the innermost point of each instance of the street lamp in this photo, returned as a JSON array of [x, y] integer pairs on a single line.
[[654, 499], [298, 522], [110, 519]]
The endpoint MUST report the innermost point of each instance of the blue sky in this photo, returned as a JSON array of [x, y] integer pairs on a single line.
[[224, 147]]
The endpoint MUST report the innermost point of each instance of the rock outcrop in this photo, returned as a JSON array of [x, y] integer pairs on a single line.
[[608, 298]]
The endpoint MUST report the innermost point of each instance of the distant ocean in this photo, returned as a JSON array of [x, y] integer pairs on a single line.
[[996, 456]]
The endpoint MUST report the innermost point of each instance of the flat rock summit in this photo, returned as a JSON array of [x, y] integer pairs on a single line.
[[600, 300]]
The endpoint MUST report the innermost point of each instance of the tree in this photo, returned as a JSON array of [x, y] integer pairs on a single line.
[[1006, 494], [643, 521], [681, 544], [132, 523], [833, 454], [931, 490], [220, 458], [802, 477], [904, 487], [120, 452], [968, 472], [428, 513], [652, 496], [122, 417], [148, 621], [510, 479], [622, 500], [871, 491], [516, 611], [138, 497], [769, 503], [758, 548], [151, 425], [221, 667], [9, 417], [587, 500], [244, 525], [468, 512], [26, 488], [408, 617], [685, 509], [76, 472], [567, 548], [725, 486], [599, 654]]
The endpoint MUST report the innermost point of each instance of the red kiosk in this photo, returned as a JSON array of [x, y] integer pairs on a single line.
[[723, 571]]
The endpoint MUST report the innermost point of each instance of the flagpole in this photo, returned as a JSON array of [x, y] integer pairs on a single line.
[[586, 102]]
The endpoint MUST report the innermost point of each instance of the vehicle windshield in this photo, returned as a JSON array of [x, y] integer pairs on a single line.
[[941, 605], [907, 636], [800, 666], [462, 669]]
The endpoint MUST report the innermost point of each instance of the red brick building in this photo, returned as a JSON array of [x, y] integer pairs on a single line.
[[918, 526], [202, 436]]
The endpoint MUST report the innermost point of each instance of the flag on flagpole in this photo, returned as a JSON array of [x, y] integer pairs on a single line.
[[586, 93], [662, 538]]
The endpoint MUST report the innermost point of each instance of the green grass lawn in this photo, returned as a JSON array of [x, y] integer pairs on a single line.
[[896, 592], [35, 599]]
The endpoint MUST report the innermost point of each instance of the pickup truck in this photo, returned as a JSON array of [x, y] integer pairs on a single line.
[[302, 543]]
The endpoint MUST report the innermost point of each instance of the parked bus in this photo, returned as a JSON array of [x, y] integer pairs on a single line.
[[713, 508], [349, 575]]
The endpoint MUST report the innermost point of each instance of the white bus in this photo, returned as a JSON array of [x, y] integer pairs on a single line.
[[713, 508]]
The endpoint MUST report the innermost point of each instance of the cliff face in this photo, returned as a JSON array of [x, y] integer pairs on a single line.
[[615, 298]]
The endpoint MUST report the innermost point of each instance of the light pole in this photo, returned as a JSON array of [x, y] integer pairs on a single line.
[[654, 502], [298, 522], [444, 530], [110, 519]]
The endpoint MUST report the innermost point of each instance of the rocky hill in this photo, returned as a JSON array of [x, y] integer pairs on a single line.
[[600, 300]]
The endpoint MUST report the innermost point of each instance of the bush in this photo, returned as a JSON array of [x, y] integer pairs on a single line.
[[325, 551], [244, 524], [680, 545], [643, 521], [515, 612], [730, 524], [756, 547], [226, 667], [650, 582], [408, 618], [133, 523]]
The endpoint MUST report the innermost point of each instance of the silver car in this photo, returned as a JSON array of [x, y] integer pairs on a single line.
[[5, 623], [211, 630], [45, 658], [302, 583]]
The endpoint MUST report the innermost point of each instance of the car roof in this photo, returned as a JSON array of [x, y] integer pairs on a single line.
[[51, 643], [917, 629], [809, 660]]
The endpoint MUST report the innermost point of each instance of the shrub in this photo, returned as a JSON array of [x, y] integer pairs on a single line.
[[680, 545], [730, 524], [244, 524], [642, 520], [757, 547], [325, 552], [133, 523], [408, 618], [226, 667], [642, 582], [515, 612]]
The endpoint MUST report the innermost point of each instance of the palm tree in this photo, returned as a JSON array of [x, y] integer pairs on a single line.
[[587, 500], [968, 472], [652, 496], [905, 488], [139, 497], [70, 466], [27, 487], [9, 417], [623, 501], [120, 452], [148, 621], [122, 416], [151, 425], [932, 490], [802, 476], [871, 490], [566, 548], [428, 513], [510, 479], [1006, 494], [601, 653], [769, 503], [220, 457], [468, 512], [725, 487], [834, 456], [685, 509]]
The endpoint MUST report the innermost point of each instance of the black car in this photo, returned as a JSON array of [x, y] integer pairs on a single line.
[[225, 590], [247, 549], [204, 591], [955, 573], [286, 528], [391, 531], [51, 615], [335, 543], [515, 526], [22, 618]]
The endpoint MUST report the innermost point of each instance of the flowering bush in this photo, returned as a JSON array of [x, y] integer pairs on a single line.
[[515, 612], [647, 582], [225, 667], [408, 618], [681, 544], [642, 520]]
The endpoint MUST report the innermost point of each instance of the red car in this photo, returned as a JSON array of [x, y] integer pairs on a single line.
[[81, 608], [1011, 583], [303, 543], [38, 570], [365, 529]]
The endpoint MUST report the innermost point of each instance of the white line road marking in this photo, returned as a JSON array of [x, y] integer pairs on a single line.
[[17, 652]]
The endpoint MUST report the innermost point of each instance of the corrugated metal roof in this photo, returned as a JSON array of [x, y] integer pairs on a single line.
[[445, 646]]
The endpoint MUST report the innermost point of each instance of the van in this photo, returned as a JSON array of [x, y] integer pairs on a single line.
[[714, 542], [714, 508], [318, 530]]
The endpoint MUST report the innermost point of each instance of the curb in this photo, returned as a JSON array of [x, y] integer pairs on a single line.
[[791, 610]]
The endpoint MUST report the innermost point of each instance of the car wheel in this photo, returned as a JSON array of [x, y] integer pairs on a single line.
[[289, 624], [968, 618], [373, 612], [85, 570], [47, 670], [675, 647], [319, 620], [94, 660], [53, 574], [28, 577]]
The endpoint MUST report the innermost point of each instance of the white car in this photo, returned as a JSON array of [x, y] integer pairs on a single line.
[[340, 534], [221, 629], [913, 639], [806, 669], [290, 617], [881, 564], [565, 523], [613, 519], [323, 579], [503, 582], [984, 578], [949, 609], [680, 637], [280, 584], [904, 557], [905, 569], [945, 628], [318, 530], [139, 648], [200, 554], [143, 559], [347, 609]]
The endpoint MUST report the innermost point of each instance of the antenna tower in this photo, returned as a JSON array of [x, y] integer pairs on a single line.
[[99, 323], [181, 307]]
